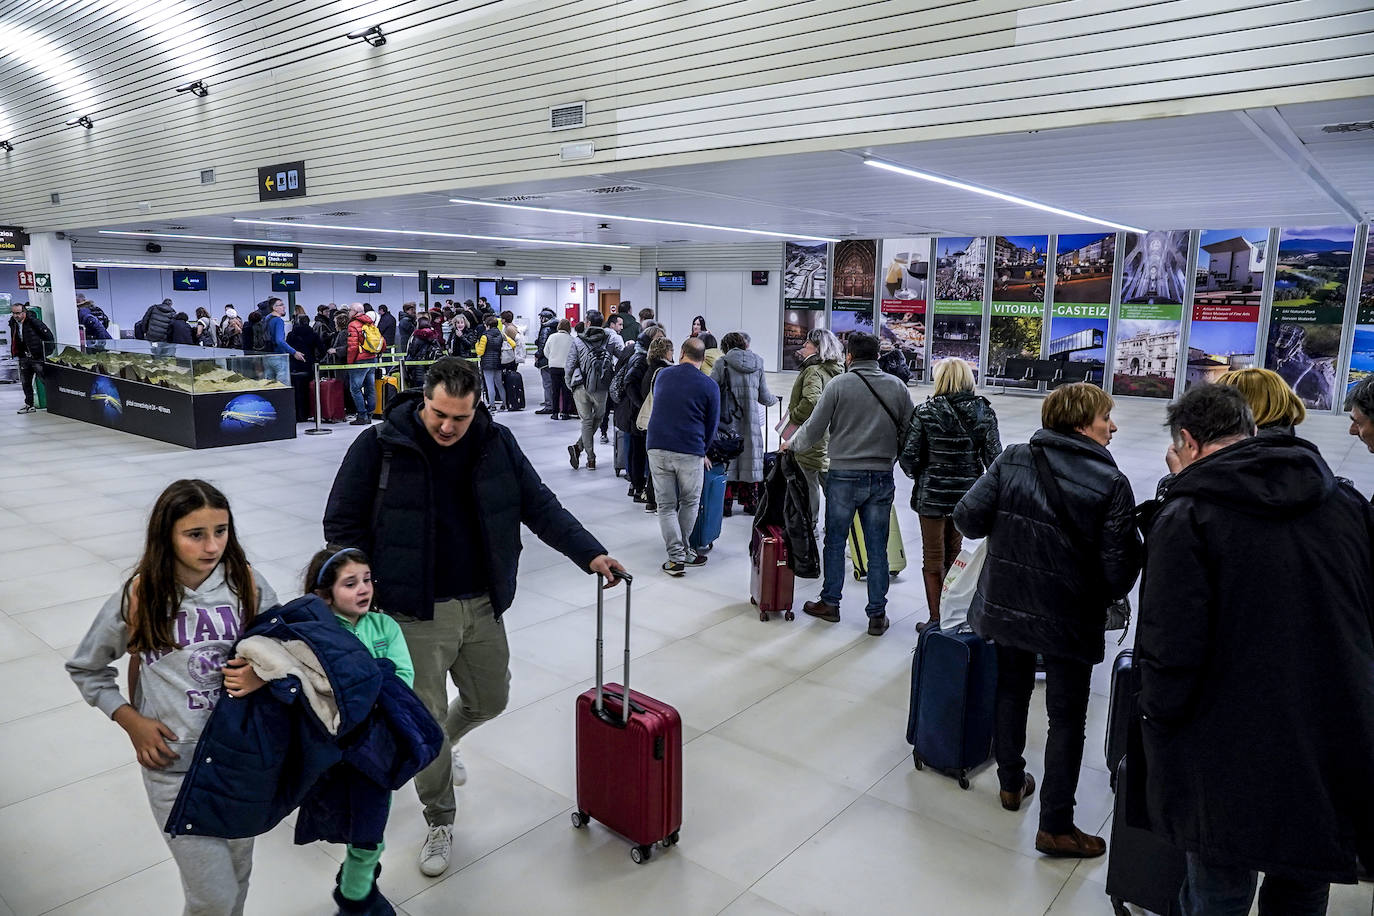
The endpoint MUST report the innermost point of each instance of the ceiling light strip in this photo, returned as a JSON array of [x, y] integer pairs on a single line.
[[988, 192], [641, 219], [429, 233], [229, 269], [282, 242]]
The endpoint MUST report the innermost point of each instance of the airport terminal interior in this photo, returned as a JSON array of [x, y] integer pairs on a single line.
[[1137, 196]]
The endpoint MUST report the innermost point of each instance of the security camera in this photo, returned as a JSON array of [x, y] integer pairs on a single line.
[[369, 257], [500, 263], [606, 268], [152, 247]]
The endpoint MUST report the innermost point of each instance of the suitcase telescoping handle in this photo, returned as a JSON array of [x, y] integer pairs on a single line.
[[600, 647]]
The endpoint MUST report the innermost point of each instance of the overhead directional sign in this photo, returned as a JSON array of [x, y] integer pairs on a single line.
[[12, 238], [278, 182], [266, 257]]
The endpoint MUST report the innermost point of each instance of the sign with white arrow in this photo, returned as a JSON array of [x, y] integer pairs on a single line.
[[266, 257], [278, 182]]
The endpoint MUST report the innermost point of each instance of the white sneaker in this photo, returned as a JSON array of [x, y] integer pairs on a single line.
[[460, 772], [434, 855]]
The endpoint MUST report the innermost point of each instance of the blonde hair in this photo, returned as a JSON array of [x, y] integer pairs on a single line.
[[1271, 400], [953, 375], [1069, 408]]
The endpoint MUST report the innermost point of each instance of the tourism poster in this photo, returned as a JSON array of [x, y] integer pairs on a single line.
[[1304, 341], [1081, 297], [855, 268], [797, 322], [1018, 300], [1154, 284], [1226, 302], [1362, 355], [905, 269], [804, 275], [957, 325]]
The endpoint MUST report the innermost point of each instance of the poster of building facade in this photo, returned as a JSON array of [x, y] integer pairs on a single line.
[[1154, 283], [797, 322], [1362, 354], [1018, 300], [1226, 302], [804, 274], [1081, 299], [855, 281], [957, 324], [905, 268], [1304, 340]]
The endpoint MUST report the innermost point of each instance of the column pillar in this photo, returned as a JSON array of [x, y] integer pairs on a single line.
[[47, 253]]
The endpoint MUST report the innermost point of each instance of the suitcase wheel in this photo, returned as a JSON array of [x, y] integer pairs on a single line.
[[669, 840], [858, 576], [580, 819], [763, 615], [916, 759], [788, 615], [753, 601], [963, 780], [640, 854]]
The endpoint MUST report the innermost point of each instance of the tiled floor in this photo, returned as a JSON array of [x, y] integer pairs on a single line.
[[800, 795]]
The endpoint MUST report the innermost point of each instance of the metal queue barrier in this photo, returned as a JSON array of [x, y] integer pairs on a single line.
[[399, 363]]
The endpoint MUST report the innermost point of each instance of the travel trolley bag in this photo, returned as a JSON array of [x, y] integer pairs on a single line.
[[1141, 868], [711, 511], [953, 699], [771, 580], [629, 758], [515, 389], [1125, 694], [331, 400], [858, 552]]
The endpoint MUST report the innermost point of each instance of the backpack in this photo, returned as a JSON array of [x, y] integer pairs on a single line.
[[370, 341], [617, 390], [231, 333], [598, 368], [262, 336]]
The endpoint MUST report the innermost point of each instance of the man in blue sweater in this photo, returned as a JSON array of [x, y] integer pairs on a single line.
[[682, 424], [276, 333]]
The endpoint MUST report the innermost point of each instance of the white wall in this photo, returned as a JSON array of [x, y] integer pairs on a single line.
[[728, 302]]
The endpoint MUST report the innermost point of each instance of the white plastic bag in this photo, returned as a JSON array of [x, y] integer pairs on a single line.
[[960, 585]]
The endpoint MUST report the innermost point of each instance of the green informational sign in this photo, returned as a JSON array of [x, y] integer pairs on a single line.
[[42, 283], [804, 303], [1143, 312], [958, 308], [1081, 310], [1019, 309]]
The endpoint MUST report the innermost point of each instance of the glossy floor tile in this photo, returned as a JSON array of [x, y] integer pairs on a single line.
[[799, 791]]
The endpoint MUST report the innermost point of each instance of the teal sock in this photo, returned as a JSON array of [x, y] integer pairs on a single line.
[[359, 869]]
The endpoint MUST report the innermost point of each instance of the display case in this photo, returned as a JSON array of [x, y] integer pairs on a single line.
[[194, 396]]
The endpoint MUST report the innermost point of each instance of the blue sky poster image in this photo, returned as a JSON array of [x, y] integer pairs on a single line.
[[1082, 296], [1362, 356], [1226, 302], [1309, 310]]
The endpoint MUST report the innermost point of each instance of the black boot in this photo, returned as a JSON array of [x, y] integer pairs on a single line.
[[374, 904]]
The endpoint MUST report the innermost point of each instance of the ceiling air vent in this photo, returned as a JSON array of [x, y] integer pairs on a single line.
[[612, 189], [342, 213], [178, 228], [1349, 127], [286, 219], [568, 116], [520, 198], [675, 241]]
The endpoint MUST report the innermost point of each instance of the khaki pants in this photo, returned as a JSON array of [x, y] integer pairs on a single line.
[[464, 642]]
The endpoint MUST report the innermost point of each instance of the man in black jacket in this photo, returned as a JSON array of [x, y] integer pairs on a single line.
[[157, 321], [548, 323], [27, 335], [435, 496], [1256, 650]]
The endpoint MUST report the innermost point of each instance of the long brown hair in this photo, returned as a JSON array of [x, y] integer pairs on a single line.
[[153, 586]]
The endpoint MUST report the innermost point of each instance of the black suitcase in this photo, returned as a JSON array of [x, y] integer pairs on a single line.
[[515, 389], [1141, 868], [1121, 710]]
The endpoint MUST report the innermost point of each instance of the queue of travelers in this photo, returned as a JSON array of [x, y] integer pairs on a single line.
[[1235, 657]]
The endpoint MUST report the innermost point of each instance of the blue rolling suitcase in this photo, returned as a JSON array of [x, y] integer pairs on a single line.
[[711, 511], [953, 697]]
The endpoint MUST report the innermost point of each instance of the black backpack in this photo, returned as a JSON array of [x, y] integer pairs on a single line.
[[599, 369], [262, 336]]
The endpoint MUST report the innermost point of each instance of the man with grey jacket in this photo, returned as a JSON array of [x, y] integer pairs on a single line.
[[865, 411]]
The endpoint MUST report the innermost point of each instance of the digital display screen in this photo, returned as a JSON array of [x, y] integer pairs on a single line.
[[368, 284], [672, 281], [286, 283], [438, 286], [759, 278], [507, 288], [86, 278], [189, 281]]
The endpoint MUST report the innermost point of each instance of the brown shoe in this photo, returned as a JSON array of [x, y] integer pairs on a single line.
[[877, 626], [822, 610], [1074, 845], [1012, 800]]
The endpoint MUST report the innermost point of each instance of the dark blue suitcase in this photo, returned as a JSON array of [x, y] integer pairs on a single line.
[[711, 511], [953, 698]]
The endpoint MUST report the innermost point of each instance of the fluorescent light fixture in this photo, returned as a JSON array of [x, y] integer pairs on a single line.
[[429, 233], [372, 35], [289, 244], [199, 89], [988, 192], [641, 219], [221, 268]]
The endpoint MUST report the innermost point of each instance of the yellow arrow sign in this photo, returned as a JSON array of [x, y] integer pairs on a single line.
[[270, 183], [248, 261]]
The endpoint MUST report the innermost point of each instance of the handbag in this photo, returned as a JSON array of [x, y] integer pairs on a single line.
[[956, 596], [647, 408], [726, 446], [1117, 614]]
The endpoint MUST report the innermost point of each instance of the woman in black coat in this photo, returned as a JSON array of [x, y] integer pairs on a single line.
[[660, 356], [1040, 593]]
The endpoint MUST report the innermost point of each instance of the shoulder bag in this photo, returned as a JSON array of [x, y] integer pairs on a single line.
[[901, 427], [647, 408], [1118, 611]]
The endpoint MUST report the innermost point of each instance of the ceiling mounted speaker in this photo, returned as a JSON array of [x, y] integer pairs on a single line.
[[500, 263], [369, 257], [152, 247]]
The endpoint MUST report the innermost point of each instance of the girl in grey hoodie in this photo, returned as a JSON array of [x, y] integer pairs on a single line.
[[179, 616]]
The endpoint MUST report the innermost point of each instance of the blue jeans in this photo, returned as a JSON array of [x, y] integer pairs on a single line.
[[1226, 890], [870, 494], [363, 391]]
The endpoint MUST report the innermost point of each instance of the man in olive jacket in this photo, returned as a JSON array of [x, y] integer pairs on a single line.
[[436, 495], [1256, 650]]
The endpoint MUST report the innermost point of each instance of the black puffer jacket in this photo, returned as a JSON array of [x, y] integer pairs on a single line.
[[401, 542], [952, 439], [548, 327], [1036, 592], [1256, 652], [893, 362], [787, 502], [627, 408], [27, 337], [157, 322]]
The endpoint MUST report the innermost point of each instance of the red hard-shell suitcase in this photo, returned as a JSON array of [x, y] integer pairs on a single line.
[[770, 578], [629, 761], [331, 400]]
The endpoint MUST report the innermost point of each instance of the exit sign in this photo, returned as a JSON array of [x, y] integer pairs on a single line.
[[278, 182]]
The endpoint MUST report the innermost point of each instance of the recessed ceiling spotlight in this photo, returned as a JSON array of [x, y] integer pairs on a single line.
[[199, 89], [641, 219], [372, 36], [988, 192], [433, 234]]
